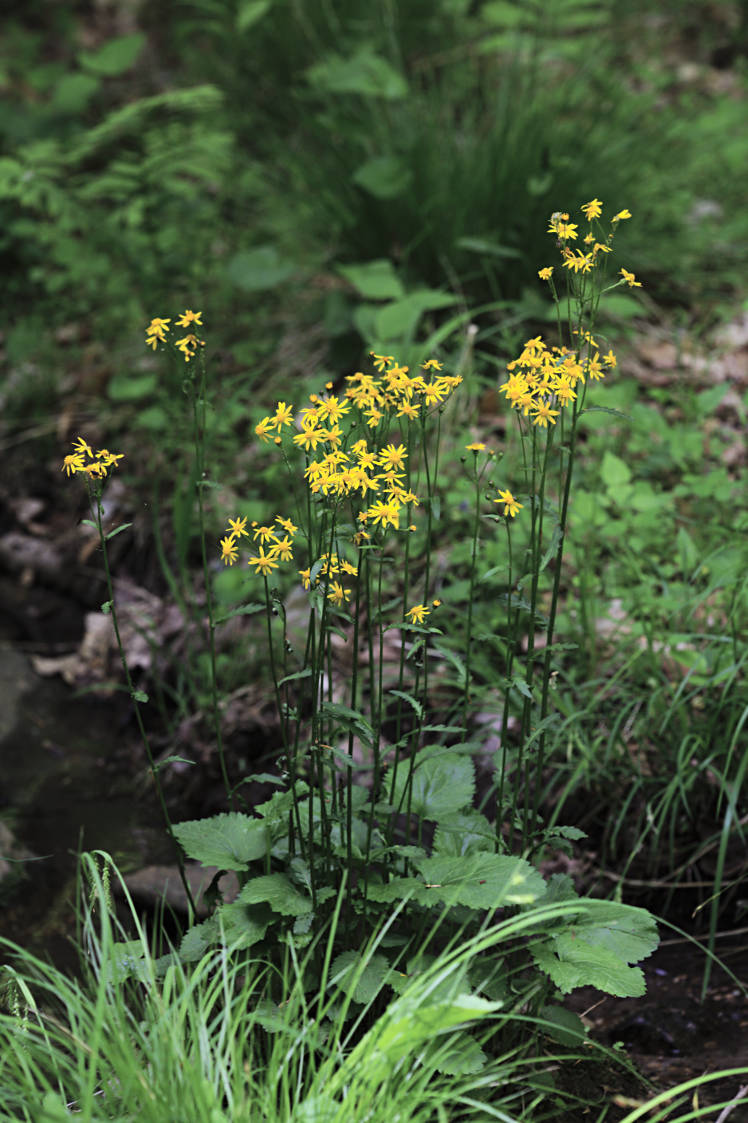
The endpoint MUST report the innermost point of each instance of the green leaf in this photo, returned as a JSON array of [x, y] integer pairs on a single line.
[[443, 782], [385, 177], [466, 1057], [563, 1026], [244, 610], [483, 246], [360, 978], [126, 388], [613, 471], [482, 881], [115, 57], [400, 319], [173, 760], [230, 841], [117, 530], [198, 939], [139, 696], [595, 949], [244, 925], [107, 607], [374, 280], [259, 269], [466, 832], [413, 702], [278, 892], [249, 12], [363, 73]]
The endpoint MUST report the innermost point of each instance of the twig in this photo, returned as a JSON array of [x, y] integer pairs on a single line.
[[740, 1098]]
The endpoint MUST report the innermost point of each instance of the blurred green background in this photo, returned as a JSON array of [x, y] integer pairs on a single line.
[[321, 176]]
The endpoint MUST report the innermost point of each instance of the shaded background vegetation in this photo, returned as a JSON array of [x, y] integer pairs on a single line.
[[320, 178]]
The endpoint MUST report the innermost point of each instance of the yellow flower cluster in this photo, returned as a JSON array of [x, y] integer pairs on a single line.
[[350, 456], [277, 536], [158, 329], [579, 260], [95, 465], [542, 378]]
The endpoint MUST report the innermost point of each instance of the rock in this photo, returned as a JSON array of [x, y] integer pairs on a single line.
[[156, 884]]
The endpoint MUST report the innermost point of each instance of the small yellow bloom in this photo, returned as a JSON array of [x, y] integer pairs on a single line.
[[621, 214], [337, 594], [393, 457], [476, 446], [381, 361], [263, 564], [630, 279], [546, 273], [264, 429], [73, 463], [610, 360], [189, 317], [282, 549], [287, 525], [418, 613], [306, 577], [430, 364], [511, 506], [238, 527], [283, 415], [229, 552], [593, 209]]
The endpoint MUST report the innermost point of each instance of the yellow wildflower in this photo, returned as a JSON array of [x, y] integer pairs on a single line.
[[593, 209], [229, 552], [238, 527], [546, 273], [264, 563], [630, 279], [189, 317], [418, 613], [621, 214], [511, 506]]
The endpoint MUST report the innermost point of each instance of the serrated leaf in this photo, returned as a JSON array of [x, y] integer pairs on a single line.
[[465, 832], [244, 925], [443, 782], [198, 939], [230, 841], [276, 890], [461, 1059], [597, 948], [413, 702], [570, 963], [399, 889], [361, 979], [482, 881], [374, 280]]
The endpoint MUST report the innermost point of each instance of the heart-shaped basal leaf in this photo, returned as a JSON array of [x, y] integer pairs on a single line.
[[361, 979], [443, 783], [230, 841]]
